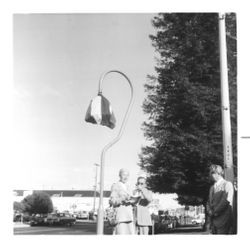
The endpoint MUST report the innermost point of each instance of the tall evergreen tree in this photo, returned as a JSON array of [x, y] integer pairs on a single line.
[[183, 105]]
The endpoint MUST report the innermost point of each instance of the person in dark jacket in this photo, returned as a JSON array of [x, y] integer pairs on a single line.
[[220, 202]]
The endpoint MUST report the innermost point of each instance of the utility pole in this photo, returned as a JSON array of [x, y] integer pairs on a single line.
[[95, 186], [226, 121]]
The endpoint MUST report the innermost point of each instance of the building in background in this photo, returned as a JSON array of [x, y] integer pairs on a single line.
[[67, 200]]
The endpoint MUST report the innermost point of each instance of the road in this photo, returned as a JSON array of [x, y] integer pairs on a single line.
[[188, 230], [80, 228], [85, 228]]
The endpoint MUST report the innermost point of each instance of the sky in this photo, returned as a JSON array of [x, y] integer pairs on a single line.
[[58, 60]]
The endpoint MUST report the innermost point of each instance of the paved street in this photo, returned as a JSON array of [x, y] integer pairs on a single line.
[[84, 228], [80, 228], [188, 230]]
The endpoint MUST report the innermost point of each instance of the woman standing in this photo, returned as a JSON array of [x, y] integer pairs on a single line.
[[120, 200], [143, 217]]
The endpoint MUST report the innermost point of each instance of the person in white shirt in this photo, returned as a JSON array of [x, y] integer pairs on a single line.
[[120, 200], [220, 202]]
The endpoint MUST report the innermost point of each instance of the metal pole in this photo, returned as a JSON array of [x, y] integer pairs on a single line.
[[153, 226], [100, 218], [226, 121], [96, 170]]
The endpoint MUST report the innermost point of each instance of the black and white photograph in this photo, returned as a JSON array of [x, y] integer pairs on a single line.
[[124, 118], [125, 123]]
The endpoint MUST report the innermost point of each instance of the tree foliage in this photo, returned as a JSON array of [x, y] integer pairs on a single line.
[[38, 202], [183, 105], [18, 206]]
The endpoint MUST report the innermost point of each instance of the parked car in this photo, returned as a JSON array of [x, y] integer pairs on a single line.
[[66, 219], [60, 219], [52, 219], [38, 219], [200, 220], [82, 215]]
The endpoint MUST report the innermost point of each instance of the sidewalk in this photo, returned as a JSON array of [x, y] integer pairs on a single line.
[[20, 224]]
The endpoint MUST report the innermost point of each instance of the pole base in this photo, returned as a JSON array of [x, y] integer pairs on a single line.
[[100, 222]]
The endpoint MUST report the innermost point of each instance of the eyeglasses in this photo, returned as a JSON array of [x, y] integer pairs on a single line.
[[140, 183]]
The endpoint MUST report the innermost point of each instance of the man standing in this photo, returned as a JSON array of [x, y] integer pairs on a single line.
[[220, 202], [143, 217]]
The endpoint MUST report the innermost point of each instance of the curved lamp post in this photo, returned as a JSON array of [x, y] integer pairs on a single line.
[[100, 218]]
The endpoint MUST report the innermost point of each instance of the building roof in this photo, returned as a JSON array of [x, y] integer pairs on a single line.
[[66, 193], [18, 192]]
